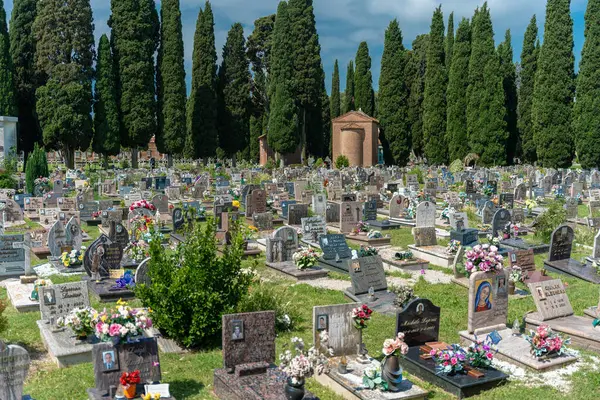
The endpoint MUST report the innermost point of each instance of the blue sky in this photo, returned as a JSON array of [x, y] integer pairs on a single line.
[[343, 24]]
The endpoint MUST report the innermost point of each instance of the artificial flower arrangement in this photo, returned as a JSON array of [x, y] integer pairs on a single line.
[[462, 196], [129, 381], [80, 321], [367, 251], [373, 234], [142, 204], [450, 361], [545, 342], [300, 365], [483, 258], [480, 354], [373, 379], [250, 232], [96, 214], [411, 210], [127, 281], [395, 347], [446, 212], [141, 224], [123, 323], [35, 293], [530, 204], [361, 227], [493, 240], [138, 250], [453, 246], [148, 396], [361, 315], [72, 258], [404, 255], [509, 230], [306, 258], [488, 190], [235, 203], [404, 294], [516, 274]]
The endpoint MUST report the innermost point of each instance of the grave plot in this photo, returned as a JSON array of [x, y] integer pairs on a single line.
[[369, 285], [336, 253]]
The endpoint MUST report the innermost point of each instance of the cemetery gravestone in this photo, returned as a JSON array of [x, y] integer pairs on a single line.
[[425, 236], [14, 366], [313, 228], [178, 219], [257, 342], [14, 255], [319, 204], [263, 221], [370, 211], [332, 213], [344, 338], [59, 300], [551, 299], [334, 245], [425, 215], [455, 217], [487, 213], [296, 212], [366, 273], [488, 301], [284, 208], [57, 239], [74, 234], [500, 220], [419, 321], [507, 200], [350, 216], [102, 256]]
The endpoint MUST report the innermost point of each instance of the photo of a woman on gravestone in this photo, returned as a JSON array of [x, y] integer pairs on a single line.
[[483, 298]]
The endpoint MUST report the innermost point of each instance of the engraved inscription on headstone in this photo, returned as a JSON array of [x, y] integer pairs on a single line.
[[419, 321], [551, 299]]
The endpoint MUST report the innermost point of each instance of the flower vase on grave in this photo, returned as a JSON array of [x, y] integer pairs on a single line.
[[392, 373], [129, 391], [294, 391], [511, 287]]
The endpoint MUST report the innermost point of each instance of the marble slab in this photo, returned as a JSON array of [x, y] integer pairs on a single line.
[[104, 293], [436, 255], [579, 329], [591, 312], [64, 349], [342, 266], [384, 225], [20, 296], [290, 269], [364, 240], [573, 268], [382, 301], [519, 244]]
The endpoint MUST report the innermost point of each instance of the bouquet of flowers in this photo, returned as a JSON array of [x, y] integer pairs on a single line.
[[250, 232], [130, 378], [403, 293], [395, 347], [75, 257], [479, 354], [127, 281], [462, 196], [450, 361], [306, 258], [530, 204], [361, 227], [516, 274], [372, 379], [142, 204], [545, 342], [80, 320], [366, 251], [35, 294], [493, 240], [141, 224], [300, 364], [138, 251], [122, 323], [41, 181], [483, 258], [361, 315], [488, 190], [453, 247], [373, 234]]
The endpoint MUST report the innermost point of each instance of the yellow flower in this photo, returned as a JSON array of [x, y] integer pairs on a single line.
[[80, 257], [121, 302], [235, 203], [146, 396], [156, 396], [104, 318]]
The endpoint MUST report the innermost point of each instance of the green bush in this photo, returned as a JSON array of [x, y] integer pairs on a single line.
[[456, 166], [7, 181], [270, 164], [124, 164], [319, 163], [549, 220], [3, 319], [415, 171], [342, 162], [192, 287], [220, 153], [37, 166]]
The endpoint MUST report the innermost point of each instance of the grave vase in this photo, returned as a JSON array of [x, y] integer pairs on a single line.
[[392, 373], [129, 391], [294, 391], [511, 287]]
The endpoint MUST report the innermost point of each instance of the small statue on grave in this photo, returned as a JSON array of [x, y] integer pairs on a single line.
[[371, 293], [98, 254]]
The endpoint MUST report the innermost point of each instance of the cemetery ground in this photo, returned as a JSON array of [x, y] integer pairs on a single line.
[[190, 374]]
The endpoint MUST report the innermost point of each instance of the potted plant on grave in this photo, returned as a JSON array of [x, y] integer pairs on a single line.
[[299, 365], [483, 258], [306, 258], [129, 382], [362, 228], [122, 324], [516, 275], [545, 343], [404, 294], [391, 371], [361, 315], [453, 246], [80, 320]]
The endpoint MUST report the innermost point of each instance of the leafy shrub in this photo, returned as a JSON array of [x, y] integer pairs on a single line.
[[342, 162], [192, 287], [456, 166], [220, 153], [550, 219], [415, 171], [124, 164], [7, 181], [3, 319], [270, 164], [37, 166], [585, 235], [319, 163]]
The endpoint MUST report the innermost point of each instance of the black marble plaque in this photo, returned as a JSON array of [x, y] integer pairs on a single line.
[[561, 243], [334, 244], [419, 321]]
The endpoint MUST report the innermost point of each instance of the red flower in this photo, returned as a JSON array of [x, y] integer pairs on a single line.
[[130, 378]]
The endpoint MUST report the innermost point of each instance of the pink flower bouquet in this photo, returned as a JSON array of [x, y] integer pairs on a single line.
[[483, 258]]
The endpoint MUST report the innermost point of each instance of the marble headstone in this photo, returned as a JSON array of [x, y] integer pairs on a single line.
[[59, 300], [367, 272], [337, 320], [551, 299], [488, 301], [561, 243], [425, 214], [257, 341], [14, 366]]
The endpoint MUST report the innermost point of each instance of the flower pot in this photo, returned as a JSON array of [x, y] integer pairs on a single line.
[[342, 368], [511, 287], [82, 337], [129, 391], [294, 391], [392, 373]]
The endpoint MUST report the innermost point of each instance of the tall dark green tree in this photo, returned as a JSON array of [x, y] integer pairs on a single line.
[[106, 113], [234, 88], [202, 133], [415, 78], [26, 81], [509, 81], [326, 120], [485, 96], [65, 55], [529, 56], [586, 112], [434, 100], [393, 98], [283, 135], [135, 30], [364, 97], [8, 104], [170, 83], [349, 93], [554, 89], [336, 110], [456, 95], [450, 42]]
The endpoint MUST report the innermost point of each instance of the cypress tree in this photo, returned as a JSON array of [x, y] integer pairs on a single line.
[[434, 100], [8, 105], [509, 81], [554, 86], [134, 39], [529, 55], [456, 96], [36, 167], [283, 136], [65, 55], [393, 98], [335, 92], [415, 77], [586, 111], [170, 83], [22, 50], [326, 120], [256, 131], [202, 133], [234, 89], [364, 97], [349, 93], [485, 107], [106, 112], [450, 42]]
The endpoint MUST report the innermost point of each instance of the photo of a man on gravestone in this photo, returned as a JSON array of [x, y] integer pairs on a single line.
[[322, 322], [540, 293], [109, 360], [483, 298], [49, 297], [356, 266], [237, 330]]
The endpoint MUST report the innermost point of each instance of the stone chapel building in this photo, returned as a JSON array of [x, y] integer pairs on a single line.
[[356, 136]]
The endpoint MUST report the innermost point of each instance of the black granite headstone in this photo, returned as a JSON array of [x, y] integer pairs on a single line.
[[561, 243], [419, 321], [178, 219], [334, 244], [370, 211]]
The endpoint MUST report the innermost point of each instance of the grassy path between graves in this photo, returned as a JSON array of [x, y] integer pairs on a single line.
[[191, 375]]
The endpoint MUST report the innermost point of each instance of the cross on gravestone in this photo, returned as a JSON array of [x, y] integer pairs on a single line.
[[350, 215], [425, 236], [344, 338], [419, 321], [334, 245], [366, 273], [59, 300], [248, 338], [551, 299], [561, 243], [425, 215], [14, 366], [102, 256], [488, 301], [500, 220]]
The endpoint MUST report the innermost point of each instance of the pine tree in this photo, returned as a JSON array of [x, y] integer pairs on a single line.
[[106, 113], [415, 78], [529, 56], [234, 88], [349, 92], [22, 50], [8, 105], [364, 97], [434, 99], [65, 55], [508, 72], [170, 83], [485, 96], [456, 96], [335, 92], [393, 98], [202, 133], [554, 87], [134, 40], [450, 42], [586, 111]]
